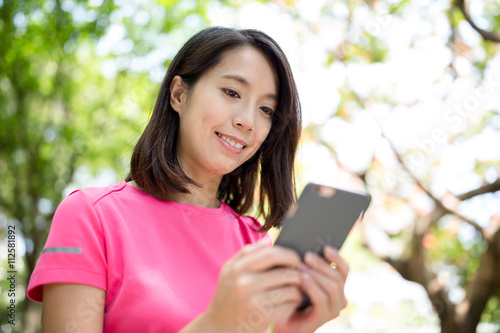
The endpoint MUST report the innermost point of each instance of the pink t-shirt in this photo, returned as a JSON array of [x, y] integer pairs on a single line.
[[157, 260]]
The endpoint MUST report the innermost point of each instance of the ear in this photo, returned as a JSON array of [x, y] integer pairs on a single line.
[[177, 94]]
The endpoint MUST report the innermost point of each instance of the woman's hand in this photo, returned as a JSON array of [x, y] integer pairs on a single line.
[[325, 286], [257, 287]]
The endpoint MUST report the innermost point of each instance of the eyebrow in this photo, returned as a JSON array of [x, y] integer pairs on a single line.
[[243, 81]]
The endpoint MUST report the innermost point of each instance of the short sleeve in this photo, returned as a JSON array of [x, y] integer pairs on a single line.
[[75, 250]]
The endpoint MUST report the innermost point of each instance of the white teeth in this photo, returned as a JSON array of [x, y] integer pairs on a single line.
[[231, 142]]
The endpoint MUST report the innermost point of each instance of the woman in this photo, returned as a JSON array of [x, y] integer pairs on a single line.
[[169, 249]]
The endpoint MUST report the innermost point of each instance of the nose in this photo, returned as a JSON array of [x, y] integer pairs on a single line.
[[245, 118]]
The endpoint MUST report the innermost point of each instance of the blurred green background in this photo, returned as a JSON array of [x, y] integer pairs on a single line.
[[400, 98]]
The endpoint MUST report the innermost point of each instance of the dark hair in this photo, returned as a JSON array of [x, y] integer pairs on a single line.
[[154, 165]]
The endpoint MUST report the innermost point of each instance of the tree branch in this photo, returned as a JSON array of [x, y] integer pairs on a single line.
[[487, 35], [489, 188], [413, 264], [445, 204]]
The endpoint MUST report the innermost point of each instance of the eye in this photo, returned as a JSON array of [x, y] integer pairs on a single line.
[[267, 110], [231, 93]]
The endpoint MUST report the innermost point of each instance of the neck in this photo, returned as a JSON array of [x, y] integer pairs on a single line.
[[203, 196]]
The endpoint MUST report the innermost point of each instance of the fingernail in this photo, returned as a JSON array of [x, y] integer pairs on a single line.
[[311, 259], [329, 250], [303, 267], [307, 278]]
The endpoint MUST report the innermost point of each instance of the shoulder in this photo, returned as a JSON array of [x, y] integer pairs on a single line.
[[79, 207], [249, 221], [252, 222], [249, 228], [91, 195], [95, 194]]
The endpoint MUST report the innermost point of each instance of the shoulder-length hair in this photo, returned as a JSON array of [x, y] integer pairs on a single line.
[[154, 164]]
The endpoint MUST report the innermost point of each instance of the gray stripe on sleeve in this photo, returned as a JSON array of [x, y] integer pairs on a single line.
[[63, 249]]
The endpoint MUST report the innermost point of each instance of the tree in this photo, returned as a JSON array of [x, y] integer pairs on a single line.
[[461, 274], [77, 80]]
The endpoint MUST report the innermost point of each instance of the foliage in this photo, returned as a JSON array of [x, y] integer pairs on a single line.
[[78, 80], [450, 253]]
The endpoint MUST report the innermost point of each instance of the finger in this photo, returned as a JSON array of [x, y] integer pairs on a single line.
[[265, 258], [278, 277], [332, 287], [332, 255], [269, 315], [276, 304], [285, 311], [249, 248], [278, 296], [316, 295], [330, 281], [326, 295], [315, 262]]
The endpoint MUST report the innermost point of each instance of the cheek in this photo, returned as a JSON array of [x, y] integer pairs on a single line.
[[264, 130]]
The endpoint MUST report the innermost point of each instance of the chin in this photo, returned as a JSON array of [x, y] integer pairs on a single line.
[[226, 166], [223, 169]]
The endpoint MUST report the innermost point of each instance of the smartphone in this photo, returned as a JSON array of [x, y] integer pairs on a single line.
[[322, 216]]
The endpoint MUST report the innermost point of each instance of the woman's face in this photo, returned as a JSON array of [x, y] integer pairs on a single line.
[[228, 113]]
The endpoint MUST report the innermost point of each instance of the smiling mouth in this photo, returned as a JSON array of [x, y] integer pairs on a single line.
[[231, 142]]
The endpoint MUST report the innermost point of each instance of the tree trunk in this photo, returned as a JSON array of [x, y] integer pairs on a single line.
[[449, 325]]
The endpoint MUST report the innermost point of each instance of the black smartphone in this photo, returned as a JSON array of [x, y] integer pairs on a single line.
[[322, 216]]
